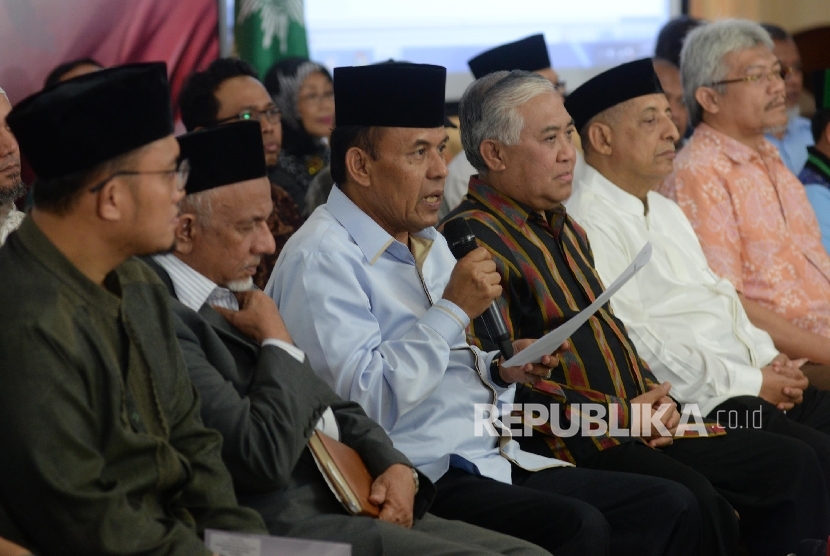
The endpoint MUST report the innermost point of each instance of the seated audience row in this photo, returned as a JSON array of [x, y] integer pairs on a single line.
[[379, 339], [749, 211], [514, 208]]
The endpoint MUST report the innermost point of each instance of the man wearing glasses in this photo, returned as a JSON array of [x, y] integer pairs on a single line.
[[749, 211], [229, 90], [103, 447]]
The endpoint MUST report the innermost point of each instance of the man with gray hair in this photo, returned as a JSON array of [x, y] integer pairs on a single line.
[[529, 54], [11, 185], [258, 389], [520, 140], [749, 211], [372, 294]]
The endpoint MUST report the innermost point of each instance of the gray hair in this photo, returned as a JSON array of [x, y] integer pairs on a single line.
[[287, 100], [2, 92], [198, 204], [489, 109], [703, 53]]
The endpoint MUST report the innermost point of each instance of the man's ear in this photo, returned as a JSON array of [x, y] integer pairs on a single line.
[[112, 200], [600, 138], [358, 166], [493, 154], [185, 231], [708, 99]]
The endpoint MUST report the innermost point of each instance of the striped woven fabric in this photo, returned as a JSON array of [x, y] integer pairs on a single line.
[[548, 276]]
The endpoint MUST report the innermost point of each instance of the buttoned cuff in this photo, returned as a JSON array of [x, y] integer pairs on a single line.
[[746, 381], [447, 319], [487, 359], [292, 350]]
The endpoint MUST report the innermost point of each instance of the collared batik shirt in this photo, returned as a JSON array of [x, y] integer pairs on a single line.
[[755, 225], [548, 276]]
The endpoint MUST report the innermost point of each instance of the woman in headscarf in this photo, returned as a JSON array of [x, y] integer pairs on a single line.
[[303, 91]]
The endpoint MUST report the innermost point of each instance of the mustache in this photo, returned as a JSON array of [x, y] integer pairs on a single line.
[[782, 100], [9, 161]]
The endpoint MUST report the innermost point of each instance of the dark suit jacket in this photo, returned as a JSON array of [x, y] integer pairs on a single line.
[[266, 404]]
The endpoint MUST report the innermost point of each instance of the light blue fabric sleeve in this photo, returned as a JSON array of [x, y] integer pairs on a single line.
[[324, 299], [819, 196]]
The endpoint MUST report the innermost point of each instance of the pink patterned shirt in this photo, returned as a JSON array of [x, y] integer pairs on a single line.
[[755, 225]]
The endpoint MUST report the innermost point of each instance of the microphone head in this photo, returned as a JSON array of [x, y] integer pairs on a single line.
[[460, 237]]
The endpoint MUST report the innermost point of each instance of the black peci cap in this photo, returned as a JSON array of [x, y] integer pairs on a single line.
[[223, 155], [529, 54], [610, 88], [397, 94], [81, 123]]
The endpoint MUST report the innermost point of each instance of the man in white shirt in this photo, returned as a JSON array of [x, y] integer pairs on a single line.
[[686, 322], [11, 185]]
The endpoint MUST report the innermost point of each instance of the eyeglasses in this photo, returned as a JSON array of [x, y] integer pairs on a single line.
[[772, 76], [181, 174], [560, 87], [317, 98], [272, 114]]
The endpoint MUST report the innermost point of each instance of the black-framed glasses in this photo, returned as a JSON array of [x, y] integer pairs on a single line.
[[181, 173], [272, 114], [771, 76]]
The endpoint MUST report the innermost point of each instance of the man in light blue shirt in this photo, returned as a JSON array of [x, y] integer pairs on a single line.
[[793, 139], [371, 293], [258, 390]]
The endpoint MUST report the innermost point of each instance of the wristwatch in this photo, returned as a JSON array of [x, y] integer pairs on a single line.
[[415, 478], [495, 375]]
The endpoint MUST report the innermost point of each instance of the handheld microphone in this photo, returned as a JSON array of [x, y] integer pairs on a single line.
[[462, 241]]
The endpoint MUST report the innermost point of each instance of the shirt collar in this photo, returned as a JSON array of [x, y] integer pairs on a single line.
[[734, 149], [192, 288], [509, 208], [613, 193], [795, 125], [370, 238]]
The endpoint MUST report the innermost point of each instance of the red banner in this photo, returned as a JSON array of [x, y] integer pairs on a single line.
[[37, 35]]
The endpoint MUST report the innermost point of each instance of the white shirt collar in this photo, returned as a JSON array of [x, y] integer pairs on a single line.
[[192, 288], [604, 187]]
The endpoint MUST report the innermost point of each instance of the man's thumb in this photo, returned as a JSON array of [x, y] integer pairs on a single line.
[[378, 494]]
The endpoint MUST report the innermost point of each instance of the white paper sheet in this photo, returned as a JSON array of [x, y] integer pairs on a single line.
[[551, 341], [227, 543]]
